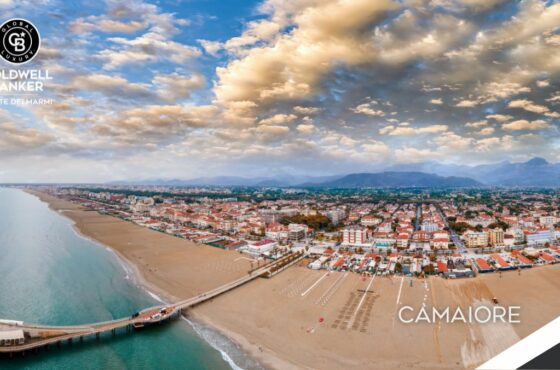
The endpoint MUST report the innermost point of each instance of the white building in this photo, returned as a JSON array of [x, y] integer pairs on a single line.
[[11, 337], [539, 237], [261, 247], [297, 231], [429, 226], [336, 215], [369, 220], [547, 220]]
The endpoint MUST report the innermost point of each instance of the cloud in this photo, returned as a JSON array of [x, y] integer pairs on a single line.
[[523, 124], [306, 110], [132, 94], [500, 117], [407, 131], [211, 47], [278, 119], [15, 139], [153, 123], [368, 109], [84, 25], [139, 15], [376, 149], [147, 48], [414, 155], [271, 131], [174, 86], [110, 85], [324, 34], [532, 107], [306, 128], [467, 104], [477, 124], [449, 142], [487, 131]]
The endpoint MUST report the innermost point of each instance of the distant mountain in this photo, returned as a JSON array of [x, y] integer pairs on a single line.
[[536, 172], [398, 179]]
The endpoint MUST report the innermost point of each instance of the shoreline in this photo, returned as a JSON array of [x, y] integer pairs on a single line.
[[306, 319], [163, 296]]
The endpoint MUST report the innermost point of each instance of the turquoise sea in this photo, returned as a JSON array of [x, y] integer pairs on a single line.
[[51, 275]]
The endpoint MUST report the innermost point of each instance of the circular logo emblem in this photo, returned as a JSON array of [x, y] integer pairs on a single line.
[[19, 41]]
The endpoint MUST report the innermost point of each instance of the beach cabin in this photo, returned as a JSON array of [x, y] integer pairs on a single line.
[[371, 265], [501, 263], [315, 265], [363, 264], [337, 265], [381, 267], [524, 262], [547, 258], [463, 272], [442, 267], [483, 266]]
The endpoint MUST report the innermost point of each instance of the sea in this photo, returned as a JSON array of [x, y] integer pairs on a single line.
[[49, 274]]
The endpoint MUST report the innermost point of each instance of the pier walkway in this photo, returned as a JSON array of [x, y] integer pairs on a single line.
[[33, 336]]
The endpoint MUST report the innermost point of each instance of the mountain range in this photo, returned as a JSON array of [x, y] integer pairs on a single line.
[[393, 179], [536, 172]]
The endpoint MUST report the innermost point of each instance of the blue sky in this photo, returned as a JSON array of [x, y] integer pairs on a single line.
[[181, 89]]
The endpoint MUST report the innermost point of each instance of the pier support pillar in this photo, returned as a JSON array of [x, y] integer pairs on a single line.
[[97, 336]]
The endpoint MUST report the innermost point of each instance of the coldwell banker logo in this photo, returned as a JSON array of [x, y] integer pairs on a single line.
[[19, 44], [20, 41]]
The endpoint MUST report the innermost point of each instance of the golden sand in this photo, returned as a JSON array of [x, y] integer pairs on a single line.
[[311, 319]]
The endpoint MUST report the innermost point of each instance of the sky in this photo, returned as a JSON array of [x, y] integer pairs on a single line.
[[184, 89]]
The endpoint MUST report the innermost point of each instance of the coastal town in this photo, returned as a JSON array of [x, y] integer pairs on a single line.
[[452, 234]]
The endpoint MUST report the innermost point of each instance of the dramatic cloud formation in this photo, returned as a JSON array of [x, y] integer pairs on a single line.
[[144, 89]]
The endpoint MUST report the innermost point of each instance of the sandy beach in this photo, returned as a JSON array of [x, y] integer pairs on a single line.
[[304, 319]]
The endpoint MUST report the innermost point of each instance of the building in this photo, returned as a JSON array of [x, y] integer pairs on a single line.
[[261, 247], [11, 337], [336, 215], [276, 231], [402, 241], [297, 231], [429, 226], [385, 227], [539, 237], [440, 243], [496, 237], [269, 216], [509, 240], [354, 235], [369, 220], [475, 239], [420, 241], [547, 220]]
